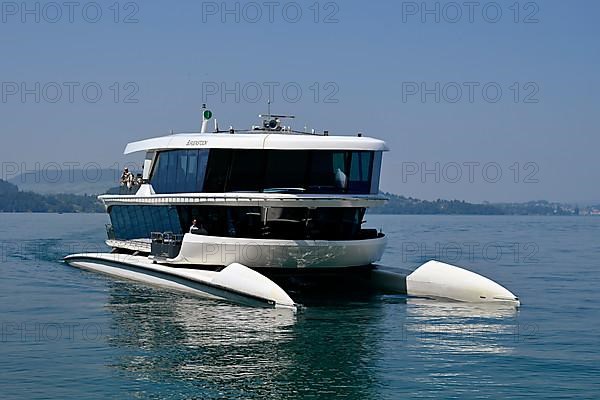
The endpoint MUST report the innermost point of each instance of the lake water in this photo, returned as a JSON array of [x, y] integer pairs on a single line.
[[67, 333]]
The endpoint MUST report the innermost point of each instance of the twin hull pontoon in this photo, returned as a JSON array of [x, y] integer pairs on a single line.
[[212, 209]]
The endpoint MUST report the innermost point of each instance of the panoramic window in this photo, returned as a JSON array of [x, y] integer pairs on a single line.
[[217, 170], [138, 222], [247, 171], [180, 171], [360, 172], [286, 169], [328, 172], [237, 170], [376, 172]]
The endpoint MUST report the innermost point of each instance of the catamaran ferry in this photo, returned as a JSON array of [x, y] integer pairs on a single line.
[[225, 214]]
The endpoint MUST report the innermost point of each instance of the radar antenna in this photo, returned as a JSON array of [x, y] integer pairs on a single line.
[[272, 122]]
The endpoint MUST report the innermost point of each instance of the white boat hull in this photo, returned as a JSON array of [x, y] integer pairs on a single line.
[[235, 283], [214, 250], [240, 284], [439, 280]]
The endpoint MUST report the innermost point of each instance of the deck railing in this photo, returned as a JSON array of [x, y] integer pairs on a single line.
[[129, 190]]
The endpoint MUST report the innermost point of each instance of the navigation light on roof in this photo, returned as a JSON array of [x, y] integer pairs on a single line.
[[206, 116]]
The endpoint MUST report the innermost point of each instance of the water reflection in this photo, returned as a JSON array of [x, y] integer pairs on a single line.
[[452, 327], [337, 346], [214, 349]]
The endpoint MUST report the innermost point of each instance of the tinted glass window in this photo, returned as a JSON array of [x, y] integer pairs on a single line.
[[180, 171], [376, 172], [191, 168], [138, 222], [217, 170], [247, 170], [170, 186], [226, 170], [360, 172], [161, 172], [328, 171], [286, 169]]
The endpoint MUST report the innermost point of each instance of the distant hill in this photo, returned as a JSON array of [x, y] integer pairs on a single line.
[[538, 207], [69, 181], [14, 200], [7, 188], [408, 205]]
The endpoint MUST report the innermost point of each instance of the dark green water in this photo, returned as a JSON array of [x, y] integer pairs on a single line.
[[67, 333]]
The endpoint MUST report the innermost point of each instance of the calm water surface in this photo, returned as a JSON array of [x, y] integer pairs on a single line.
[[67, 333]]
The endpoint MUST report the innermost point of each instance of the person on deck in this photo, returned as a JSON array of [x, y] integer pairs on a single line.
[[197, 229], [127, 178]]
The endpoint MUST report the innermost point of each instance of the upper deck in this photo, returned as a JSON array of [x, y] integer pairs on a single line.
[[258, 141], [270, 159]]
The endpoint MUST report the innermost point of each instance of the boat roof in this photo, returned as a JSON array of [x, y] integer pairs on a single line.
[[250, 140]]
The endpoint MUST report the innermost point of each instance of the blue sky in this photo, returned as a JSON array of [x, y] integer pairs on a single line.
[[360, 67]]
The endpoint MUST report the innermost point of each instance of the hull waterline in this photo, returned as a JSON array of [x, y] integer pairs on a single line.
[[242, 285], [439, 280], [235, 283]]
